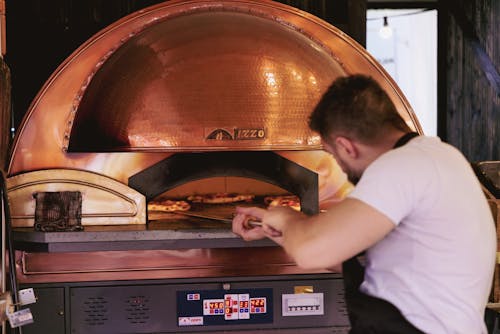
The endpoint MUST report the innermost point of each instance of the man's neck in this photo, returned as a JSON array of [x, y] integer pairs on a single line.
[[372, 151]]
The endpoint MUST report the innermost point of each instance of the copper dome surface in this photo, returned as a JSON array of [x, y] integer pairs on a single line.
[[203, 80]]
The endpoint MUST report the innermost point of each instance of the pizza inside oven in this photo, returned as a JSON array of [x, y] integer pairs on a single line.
[[200, 202]]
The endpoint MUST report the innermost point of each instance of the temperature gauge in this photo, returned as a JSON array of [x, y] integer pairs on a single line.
[[258, 305]]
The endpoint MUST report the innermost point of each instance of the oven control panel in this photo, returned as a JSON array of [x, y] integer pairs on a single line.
[[218, 307]]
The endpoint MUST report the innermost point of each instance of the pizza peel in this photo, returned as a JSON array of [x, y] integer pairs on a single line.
[[220, 219], [251, 223]]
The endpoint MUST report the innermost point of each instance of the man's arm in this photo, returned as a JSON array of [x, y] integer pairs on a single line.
[[327, 239]]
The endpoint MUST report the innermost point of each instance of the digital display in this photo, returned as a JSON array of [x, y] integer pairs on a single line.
[[258, 302], [258, 305], [215, 305], [230, 306]]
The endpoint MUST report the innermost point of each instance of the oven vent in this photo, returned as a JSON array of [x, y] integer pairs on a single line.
[[341, 305], [95, 309], [137, 309]]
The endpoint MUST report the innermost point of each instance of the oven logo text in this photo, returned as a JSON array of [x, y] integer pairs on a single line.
[[236, 134]]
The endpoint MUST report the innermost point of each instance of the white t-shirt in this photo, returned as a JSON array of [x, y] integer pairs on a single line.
[[437, 265]]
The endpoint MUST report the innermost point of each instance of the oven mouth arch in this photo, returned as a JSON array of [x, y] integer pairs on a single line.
[[265, 166]]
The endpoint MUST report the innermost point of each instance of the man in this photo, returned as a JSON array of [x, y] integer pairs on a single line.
[[417, 209]]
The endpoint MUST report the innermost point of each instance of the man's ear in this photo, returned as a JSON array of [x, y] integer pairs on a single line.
[[347, 145]]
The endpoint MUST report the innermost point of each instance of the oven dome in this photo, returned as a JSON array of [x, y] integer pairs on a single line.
[[205, 80]]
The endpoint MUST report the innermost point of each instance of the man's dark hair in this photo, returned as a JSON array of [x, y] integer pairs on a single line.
[[356, 107]]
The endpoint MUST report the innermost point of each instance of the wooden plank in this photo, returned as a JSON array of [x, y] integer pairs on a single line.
[[3, 44], [470, 35], [472, 101], [5, 112]]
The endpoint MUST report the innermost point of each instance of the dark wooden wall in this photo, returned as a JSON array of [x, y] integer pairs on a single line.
[[347, 15], [469, 113], [4, 111]]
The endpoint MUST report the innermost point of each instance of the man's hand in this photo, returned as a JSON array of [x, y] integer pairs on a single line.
[[241, 226], [274, 221]]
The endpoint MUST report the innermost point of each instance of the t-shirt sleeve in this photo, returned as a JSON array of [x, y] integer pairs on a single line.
[[393, 185]]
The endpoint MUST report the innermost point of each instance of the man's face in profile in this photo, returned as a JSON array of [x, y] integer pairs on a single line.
[[352, 175]]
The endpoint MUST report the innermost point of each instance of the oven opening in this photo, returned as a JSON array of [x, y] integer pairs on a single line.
[[211, 203], [205, 188]]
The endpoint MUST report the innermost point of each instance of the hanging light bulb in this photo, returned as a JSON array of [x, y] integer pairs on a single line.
[[385, 31]]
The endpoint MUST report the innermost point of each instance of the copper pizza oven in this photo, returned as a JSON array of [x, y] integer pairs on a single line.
[[183, 98]]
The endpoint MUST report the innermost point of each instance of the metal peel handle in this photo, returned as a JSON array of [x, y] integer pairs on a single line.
[[254, 223]]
